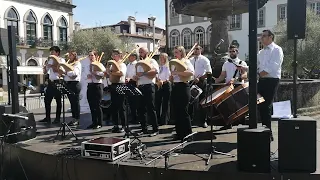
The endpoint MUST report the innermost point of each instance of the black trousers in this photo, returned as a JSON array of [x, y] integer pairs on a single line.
[[94, 96], [267, 87], [118, 106], [146, 106], [195, 110], [133, 103], [52, 92], [74, 99], [180, 100], [162, 102]]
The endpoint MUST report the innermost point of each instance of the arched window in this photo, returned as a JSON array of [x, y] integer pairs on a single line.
[[31, 28], [173, 11], [186, 38], [12, 19], [199, 35], [32, 62], [63, 30], [175, 38], [209, 30], [47, 28]]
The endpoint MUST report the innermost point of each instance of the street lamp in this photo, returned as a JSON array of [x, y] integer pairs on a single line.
[[152, 19]]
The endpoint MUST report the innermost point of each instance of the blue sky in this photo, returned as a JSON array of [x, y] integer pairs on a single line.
[[105, 12]]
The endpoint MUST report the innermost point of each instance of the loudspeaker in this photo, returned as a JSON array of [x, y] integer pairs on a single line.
[[297, 145], [18, 125], [254, 150], [4, 42], [296, 19]]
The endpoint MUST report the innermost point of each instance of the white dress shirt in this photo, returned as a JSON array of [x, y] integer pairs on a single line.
[[230, 68], [144, 79], [164, 73], [53, 75], [75, 73], [190, 68], [123, 69], [131, 69], [201, 65], [94, 79], [270, 60]]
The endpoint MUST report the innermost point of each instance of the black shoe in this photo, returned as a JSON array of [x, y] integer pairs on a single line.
[[73, 123], [155, 133], [97, 127], [45, 120], [143, 131], [116, 129], [56, 121], [91, 126], [226, 127], [176, 138]]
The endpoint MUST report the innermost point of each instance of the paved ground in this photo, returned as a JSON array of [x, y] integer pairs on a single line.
[[193, 156]]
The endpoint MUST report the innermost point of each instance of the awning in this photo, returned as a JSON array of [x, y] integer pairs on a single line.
[[29, 70]]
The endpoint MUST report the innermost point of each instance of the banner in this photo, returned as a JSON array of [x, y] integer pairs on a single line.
[[85, 67]]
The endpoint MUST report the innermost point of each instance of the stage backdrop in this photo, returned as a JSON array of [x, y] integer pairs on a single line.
[[84, 105]]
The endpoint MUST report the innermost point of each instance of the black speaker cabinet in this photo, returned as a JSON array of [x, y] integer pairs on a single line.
[[254, 150], [297, 145], [4, 43], [296, 19], [18, 125]]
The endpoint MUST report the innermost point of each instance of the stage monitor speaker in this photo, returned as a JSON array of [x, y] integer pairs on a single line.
[[4, 42], [254, 150], [296, 19], [297, 145], [18, 125]]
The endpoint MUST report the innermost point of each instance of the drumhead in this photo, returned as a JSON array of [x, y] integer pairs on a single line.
[[215, 95]]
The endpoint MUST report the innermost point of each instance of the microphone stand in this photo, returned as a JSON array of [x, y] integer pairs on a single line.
[[212, 147]]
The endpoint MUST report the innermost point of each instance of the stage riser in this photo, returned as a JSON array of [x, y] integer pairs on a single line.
[[48, 167]]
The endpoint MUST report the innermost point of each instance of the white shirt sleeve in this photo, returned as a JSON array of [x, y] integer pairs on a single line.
[[189, 66], [275, 64], [207, 65]]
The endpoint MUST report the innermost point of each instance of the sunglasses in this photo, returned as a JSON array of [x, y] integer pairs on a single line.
[[232, 51]]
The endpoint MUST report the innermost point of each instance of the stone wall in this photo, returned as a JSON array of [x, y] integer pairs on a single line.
[[308, 92]]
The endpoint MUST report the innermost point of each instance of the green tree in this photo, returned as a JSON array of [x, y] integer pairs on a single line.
[[102, 40], [307, 49]]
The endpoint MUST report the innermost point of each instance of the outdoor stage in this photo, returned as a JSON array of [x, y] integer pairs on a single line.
[[45, 160]]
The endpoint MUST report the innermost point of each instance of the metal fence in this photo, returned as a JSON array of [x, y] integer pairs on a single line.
[[35, 102]]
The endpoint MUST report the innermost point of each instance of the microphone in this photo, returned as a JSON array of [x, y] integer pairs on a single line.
[[219, 43], [209, 78], [15, 116], [26, 128]]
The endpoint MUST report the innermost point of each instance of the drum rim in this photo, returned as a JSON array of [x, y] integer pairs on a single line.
[[229, 88]]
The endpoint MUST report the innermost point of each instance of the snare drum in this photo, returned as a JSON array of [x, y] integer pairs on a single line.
[[106, 100], [195, 93]]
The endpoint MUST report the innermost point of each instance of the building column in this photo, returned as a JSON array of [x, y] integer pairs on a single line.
[[220, 23], [23, 53], [71, 24], [41, 62]]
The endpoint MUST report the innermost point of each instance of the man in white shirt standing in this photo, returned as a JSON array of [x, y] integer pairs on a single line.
[[131, 72], [201, 66], [234, 71], [51, 91], [270, 60], [146, 103]]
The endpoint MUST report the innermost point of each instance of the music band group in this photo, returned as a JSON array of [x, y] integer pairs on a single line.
[[160, 83]]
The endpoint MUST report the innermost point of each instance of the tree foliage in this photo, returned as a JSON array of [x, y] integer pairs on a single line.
[[307, 49], [102, 40]]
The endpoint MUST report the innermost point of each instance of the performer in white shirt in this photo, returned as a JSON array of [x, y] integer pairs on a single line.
[[51, 91], [131, 72], [117, 100], [180, 96], [163, 90], [201, 66], [72, 79], [234, 71], [270, 59], [95, 92], [146, 103]]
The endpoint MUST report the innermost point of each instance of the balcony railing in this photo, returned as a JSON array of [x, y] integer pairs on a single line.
[[41, 43]]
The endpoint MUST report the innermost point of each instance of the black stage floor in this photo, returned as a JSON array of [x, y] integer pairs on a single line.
[[44, 159]]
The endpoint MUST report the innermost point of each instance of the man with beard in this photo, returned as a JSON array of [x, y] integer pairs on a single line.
[[234, 71]]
